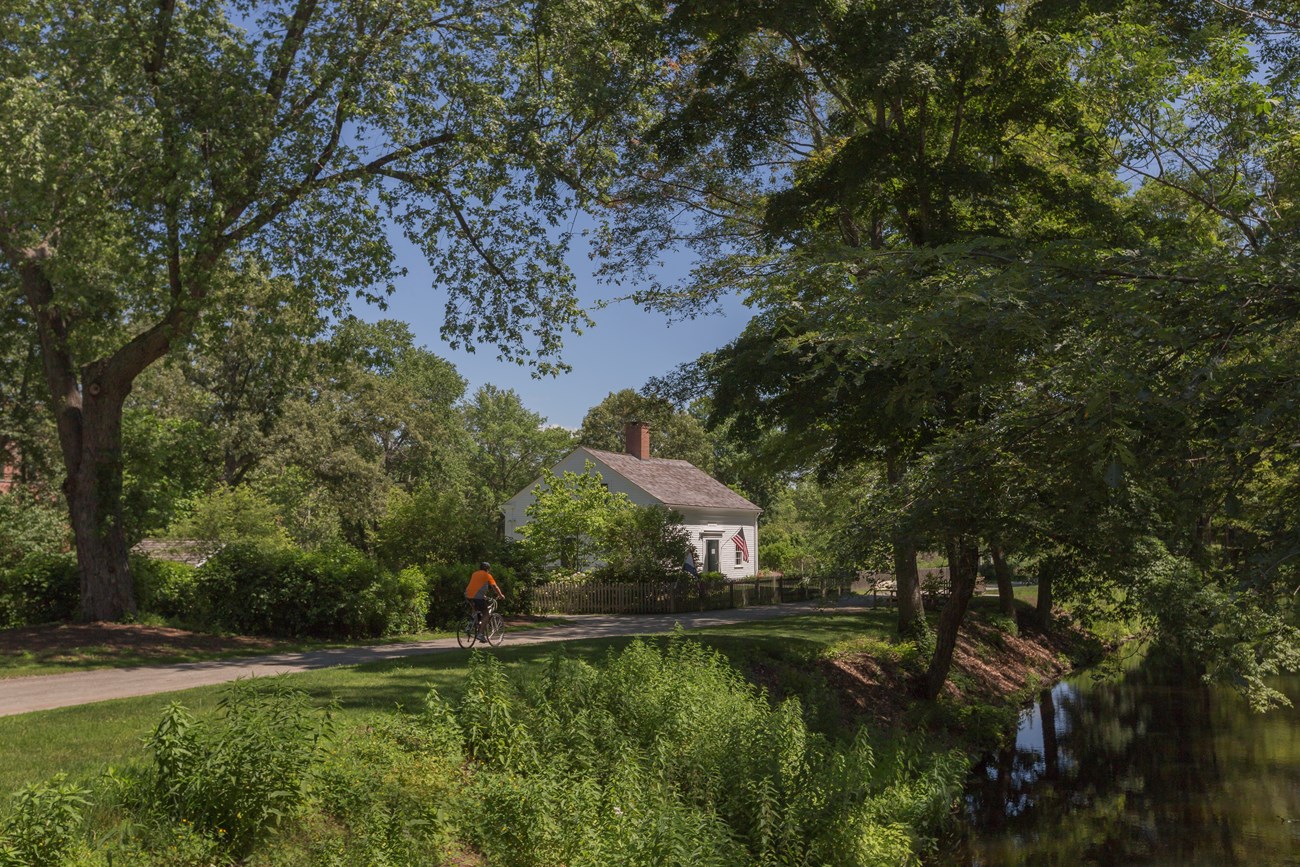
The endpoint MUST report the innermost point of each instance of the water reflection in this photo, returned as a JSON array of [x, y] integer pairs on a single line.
[[1146, 770]]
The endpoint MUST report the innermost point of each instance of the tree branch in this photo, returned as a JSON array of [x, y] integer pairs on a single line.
[[289, 47], [161, 36], [311, 183]]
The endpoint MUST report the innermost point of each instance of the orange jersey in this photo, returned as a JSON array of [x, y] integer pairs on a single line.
[[478, 585]]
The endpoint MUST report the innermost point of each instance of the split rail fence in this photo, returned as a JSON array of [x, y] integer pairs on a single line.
[[681, 596]]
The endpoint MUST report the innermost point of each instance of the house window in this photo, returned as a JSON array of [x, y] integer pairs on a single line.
[[737, 556]]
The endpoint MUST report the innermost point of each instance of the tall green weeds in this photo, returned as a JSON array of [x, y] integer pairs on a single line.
[[659, 755], [670, 757], [44, 824], [235, 776]]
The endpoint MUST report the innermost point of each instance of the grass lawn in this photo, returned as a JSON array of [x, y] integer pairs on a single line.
[[82, 740], [128, 647]]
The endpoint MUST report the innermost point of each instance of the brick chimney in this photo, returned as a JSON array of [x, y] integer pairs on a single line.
[[637, 436]]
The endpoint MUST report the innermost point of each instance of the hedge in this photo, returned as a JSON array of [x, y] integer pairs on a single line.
[[41, 588], [272, 590]]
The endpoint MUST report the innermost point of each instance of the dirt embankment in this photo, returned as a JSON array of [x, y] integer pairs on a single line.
[[989, 667]]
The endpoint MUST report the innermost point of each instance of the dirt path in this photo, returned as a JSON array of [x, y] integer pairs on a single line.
[[26, 694]]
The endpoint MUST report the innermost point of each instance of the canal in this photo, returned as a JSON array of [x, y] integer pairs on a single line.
[[1141, 768]]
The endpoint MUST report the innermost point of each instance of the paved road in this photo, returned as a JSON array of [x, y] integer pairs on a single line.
[[26, 694]]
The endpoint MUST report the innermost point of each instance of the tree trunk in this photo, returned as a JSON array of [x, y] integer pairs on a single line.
[[911, 607], [94, 492], [1043, 612], [963, 569], [87, 404], [1006, 593]]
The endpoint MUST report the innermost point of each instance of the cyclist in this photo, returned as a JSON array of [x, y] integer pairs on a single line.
[[477, 595]]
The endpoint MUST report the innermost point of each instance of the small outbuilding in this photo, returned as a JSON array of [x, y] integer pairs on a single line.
[[723, 525]]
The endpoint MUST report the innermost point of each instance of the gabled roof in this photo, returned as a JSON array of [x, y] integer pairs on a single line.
[[188, 551], [673, 483]]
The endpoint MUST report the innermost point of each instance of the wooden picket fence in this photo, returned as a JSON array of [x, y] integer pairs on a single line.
[[681, 596]]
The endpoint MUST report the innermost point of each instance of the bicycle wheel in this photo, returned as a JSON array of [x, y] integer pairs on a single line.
[[465, 635], [496, 629]]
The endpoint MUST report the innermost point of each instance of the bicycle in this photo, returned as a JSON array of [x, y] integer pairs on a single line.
[[492, 627]]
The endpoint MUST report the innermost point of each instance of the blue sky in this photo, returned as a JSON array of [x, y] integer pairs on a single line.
[[625, 348]]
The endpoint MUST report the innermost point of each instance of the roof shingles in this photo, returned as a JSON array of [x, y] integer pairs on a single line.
[[674, 483]]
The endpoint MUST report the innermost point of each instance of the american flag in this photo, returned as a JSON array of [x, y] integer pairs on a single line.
[[741, 545]]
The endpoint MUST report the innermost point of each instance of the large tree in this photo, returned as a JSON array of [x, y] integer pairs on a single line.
[[512, 444], [812, 142], [148, 145]]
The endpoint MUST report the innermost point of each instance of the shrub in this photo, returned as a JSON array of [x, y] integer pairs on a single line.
[[270, 590], [238, 514], [236, 775], [165, 587], [41, 588], [399, 603], [30, 525], [43, 824], [646, 543]]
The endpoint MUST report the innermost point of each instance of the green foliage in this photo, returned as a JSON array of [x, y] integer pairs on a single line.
[[165, 588], [403, 601], [645, 543], [573, 519], [668, 756], [226, 515], [802, 526], [304, 506], [30, 525], [167, 461], [428, 526], [1002, 625], [511, 443], [1233, 634], [238, 774], [43, 823], [41, 588], [271, 590]]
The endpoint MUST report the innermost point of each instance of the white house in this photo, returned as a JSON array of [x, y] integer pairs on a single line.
[[723, 525]]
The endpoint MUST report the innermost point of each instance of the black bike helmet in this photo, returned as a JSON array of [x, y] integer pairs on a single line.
[[484, 566]]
